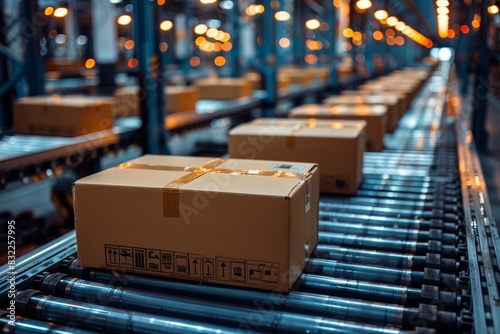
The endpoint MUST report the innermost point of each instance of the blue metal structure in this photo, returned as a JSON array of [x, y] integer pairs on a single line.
[[152, 99]]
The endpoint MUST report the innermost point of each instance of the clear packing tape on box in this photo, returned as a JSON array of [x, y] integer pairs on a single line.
[[171, 191]]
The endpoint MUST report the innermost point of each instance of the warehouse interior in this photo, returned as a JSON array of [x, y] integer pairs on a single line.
[[268, 166]]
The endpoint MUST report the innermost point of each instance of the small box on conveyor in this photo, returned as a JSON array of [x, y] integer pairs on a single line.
[[374, 115], [403, 98], [66, 116], [391, 102], [178, 99], [223, 88], [247, 223], [256, 80], [337, 146], [296, 76]]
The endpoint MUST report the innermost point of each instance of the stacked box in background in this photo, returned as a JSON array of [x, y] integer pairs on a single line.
[[223, 88], [66, 116], [337, 146], [247, 223], [178, 99]]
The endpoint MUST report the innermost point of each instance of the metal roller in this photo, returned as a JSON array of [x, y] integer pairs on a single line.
[[386, 259], [30, 326], [449, 199], [408, 247], [393, 203], [103, 318], [436, 213], [418, 224], [371, 231], [377, 292], [218, 314], [382, 275], [294, 301]]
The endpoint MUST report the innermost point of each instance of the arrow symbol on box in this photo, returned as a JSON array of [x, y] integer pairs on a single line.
[[223, 266], [195, 265]]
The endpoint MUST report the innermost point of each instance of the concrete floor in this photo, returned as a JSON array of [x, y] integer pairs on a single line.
[[490, 161]]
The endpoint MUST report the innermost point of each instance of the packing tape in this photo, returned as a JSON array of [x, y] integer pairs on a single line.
[[171, 191]]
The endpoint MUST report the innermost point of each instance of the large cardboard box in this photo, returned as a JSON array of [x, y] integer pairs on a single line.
[[391, 102], [374, 115], [223, 88], [255, 79], [337, 146], [66, 116], [247, 223], [178, 99]]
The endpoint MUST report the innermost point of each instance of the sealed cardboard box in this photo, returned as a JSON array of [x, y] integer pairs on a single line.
[[256, 80], [223, 88], [247, 223], [337, 146], [66, 116], [178, 99], [321, 74], [391, 102], [374, 115], [376, 88]]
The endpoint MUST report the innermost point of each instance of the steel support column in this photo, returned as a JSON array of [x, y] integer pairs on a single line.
[[481, 83], [299, 32], [332, 39], [32, 32], [234, 53], [152, 99], [269, 57]]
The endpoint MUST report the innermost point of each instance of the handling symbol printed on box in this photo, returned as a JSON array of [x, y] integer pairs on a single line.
[[153, 259], [112, 255], [238, 270], [139, 258], [223, 266], [208, 268], [195, 264], [126, 257], [263, 272], [181, 264], [167, 262]]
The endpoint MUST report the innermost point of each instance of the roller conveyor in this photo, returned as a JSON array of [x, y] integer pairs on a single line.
[[399, 257]]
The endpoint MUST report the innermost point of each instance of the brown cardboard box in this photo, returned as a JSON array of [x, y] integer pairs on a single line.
[[321, 74], [380, 88], [223, 88], [391, 102], [181, 98], [66, 116], [374, 115], [255, 80], [296, 76], [403, 98], [236, 222], [337, 146], [178, 99]]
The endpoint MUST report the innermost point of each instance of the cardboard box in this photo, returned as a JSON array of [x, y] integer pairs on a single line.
[[178, 99], [296, 76], [255, 79], [236, 222], [181, 98], [66, 116], [223, 88], [321, 74], [391, 102], [374, 115], [337, 146], [403, 98]]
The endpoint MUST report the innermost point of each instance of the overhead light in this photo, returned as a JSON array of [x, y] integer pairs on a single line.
[[443, 10], [392, 21], [166, 25], [124, 20], [442, 3], [312, 24], [380, 14], [206, 2], [61, 12], [400, 26], [363, 4], [282, 16], [200, 29], [493, 9]]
